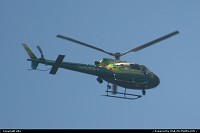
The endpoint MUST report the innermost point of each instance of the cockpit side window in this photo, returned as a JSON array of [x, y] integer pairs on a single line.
[[122, 66], [135, 66]]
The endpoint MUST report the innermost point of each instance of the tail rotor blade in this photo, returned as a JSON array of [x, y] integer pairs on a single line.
[[40, 50]]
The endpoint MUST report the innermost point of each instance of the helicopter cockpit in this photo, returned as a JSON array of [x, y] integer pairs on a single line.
[[133, 66]]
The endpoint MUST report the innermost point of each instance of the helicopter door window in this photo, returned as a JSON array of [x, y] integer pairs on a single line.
[[125, 67], [122, 66]]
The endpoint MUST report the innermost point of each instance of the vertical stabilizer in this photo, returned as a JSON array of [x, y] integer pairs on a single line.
[[31, 55]]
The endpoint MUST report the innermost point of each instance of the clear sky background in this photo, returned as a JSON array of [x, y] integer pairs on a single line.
[[35, 99]]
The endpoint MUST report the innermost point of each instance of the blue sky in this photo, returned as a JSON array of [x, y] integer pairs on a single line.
[[72, 100]]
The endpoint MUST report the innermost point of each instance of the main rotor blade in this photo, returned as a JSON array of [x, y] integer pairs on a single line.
[[84, 44], [152, 42]]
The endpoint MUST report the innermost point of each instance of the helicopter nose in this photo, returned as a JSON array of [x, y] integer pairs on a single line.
[[156, 81]]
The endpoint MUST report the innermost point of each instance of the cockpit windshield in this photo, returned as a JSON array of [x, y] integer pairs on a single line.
[[144, 69]]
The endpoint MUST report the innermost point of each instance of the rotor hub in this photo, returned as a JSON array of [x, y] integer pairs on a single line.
[[117, 55]]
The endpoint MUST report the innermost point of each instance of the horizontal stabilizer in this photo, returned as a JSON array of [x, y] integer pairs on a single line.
[[58, 62]]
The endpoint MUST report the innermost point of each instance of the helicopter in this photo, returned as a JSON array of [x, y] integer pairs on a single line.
[[114, 71]]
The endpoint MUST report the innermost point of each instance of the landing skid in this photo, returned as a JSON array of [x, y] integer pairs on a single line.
[[118, 95]]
